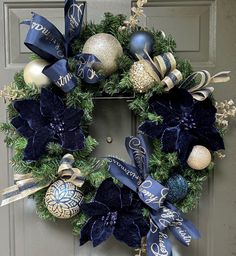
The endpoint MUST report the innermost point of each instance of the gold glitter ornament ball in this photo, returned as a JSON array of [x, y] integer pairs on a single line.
[[199, 158], [33, 73], [107, 49], [63, 199], [142, 81]]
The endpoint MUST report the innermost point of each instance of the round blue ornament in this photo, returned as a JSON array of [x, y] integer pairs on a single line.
[[140, 40], [178, 188]]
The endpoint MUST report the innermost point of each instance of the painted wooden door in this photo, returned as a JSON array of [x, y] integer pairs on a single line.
[[205, 34]]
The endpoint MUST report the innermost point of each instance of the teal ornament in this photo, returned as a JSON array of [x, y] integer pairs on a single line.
[[139, 41], [178, 188]]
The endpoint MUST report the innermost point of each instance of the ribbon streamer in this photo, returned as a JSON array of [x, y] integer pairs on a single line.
[[26, 185], [44, 39], [197, 83], [163, 214], [163, 69]]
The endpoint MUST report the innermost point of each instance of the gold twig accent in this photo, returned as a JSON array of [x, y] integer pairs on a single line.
[[137, 11], [225, 110], [12, 92], [141, 251]]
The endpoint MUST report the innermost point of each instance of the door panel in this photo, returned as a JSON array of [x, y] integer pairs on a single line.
[[205, 34]]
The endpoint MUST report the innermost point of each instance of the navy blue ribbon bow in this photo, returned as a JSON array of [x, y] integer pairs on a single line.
[[163, 214], [44, 39]]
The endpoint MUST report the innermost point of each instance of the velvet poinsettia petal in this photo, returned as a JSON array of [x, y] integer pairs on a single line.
[[126, 197], [72, 140], [22, 127], [29, 110], [100, 232], [94, 209], [109, 194], [85, 233], [169, 139], [160, 104], [128, 233], [152, 129], [185, 143], [143, 226], [50, 104], [210, 138], [204, 113], [36, 145], [180, 100], [72, 118]]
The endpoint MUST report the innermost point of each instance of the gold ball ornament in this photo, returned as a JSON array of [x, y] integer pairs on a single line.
[[199, 158], [33, 73], [107, 49], [141, 79], [63, 199]]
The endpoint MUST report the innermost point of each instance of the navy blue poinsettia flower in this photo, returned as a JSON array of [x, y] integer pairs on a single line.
[[186, 123], [45, 120], [114, 211]]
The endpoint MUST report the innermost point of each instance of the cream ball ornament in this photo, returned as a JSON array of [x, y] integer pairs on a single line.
[[107, 49], [63, 199], [33, 73], [141, 79], [199, 158]]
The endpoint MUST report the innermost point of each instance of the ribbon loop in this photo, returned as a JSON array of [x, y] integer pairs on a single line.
[[44, 39], [74, 14], [197, 83], [138, 153]]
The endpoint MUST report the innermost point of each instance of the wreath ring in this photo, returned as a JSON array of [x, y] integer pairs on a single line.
[[52, 147]]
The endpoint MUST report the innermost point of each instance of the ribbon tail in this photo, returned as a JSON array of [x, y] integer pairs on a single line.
[[158, 242], [191, 229], [221, 77], [59, 74], [26, 22], [24, 186]]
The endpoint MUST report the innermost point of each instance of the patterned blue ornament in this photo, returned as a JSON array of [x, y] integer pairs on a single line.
[[140, 40], [63, 199], [178, 188]]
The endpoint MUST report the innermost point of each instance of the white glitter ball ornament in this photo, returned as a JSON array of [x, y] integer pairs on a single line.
[[199, 158], [33, 73], [107, 49]]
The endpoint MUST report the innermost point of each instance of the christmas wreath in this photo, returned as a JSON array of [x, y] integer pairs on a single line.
[[50, 108]]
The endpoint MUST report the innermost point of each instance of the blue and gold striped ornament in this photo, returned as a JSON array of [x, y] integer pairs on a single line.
[[178, 188]]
